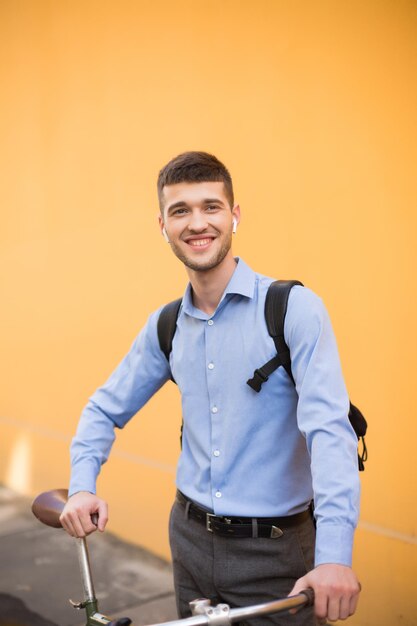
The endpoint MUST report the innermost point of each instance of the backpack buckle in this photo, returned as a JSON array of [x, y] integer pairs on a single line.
[[259, 378]]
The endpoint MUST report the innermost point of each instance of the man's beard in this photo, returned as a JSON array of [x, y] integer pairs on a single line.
[[203, 266]]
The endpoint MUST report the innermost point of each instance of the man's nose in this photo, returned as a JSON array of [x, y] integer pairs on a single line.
[[198, 221]]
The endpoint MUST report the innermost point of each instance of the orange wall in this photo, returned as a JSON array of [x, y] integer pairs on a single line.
[[312, 106]]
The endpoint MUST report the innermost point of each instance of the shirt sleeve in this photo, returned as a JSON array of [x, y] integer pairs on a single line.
[[322, 415], [139, 375]]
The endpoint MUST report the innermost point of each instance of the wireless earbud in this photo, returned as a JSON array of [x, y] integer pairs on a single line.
[[234, 226], [165, 234]]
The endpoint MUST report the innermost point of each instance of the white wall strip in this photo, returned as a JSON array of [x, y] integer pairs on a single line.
[[141, 460], [388, 532], [42, 431]]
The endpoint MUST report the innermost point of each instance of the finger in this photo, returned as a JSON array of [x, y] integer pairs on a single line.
[[354, 602], [88, 524], [344, 610], [102, 516], [81, 518], [321, 602], [298, 587], [75, 520], [67, 525], [88, 518], [333, 608]]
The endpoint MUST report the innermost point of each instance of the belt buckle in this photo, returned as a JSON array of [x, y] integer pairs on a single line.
[[208, 521], [276, 532]]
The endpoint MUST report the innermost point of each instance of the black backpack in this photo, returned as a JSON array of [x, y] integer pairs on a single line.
[[275, 309]]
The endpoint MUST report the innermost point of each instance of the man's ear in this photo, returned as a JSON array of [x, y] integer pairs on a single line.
[[162, 228], [236, 213]]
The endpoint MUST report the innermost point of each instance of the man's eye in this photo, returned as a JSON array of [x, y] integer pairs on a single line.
[[212, 207], [179, 211]]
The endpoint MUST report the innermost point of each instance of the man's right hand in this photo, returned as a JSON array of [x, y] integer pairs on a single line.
[[76, 516]]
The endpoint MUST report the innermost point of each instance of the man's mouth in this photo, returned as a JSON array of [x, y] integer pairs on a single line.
[[199, 243]]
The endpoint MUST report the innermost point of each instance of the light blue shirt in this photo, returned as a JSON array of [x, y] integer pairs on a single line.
[[243, 453]]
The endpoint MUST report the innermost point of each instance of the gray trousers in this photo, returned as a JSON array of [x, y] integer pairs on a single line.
[[239, 571]]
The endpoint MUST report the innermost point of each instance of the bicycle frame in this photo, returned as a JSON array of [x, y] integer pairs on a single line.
[[48, 506]]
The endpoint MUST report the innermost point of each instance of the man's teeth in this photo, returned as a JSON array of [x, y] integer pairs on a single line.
[[199, 242]]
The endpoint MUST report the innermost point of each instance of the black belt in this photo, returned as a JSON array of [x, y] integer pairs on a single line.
[[270, 527]]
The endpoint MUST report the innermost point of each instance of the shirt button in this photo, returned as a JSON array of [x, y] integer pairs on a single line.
[[216, 453], [210, 322], [214, 409], [218, 494], [211, 366]]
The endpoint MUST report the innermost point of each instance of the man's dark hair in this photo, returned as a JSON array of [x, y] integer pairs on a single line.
[[195, 167]]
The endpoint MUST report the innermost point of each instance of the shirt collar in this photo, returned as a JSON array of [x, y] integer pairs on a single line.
[[242, 282]]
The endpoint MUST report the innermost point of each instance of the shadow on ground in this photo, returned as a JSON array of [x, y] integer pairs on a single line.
[[14, 612]]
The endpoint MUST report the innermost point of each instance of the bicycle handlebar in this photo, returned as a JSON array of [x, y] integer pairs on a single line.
[[222, 615]]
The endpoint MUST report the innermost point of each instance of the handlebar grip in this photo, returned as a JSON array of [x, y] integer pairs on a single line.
[[123, 621], [309, 594]]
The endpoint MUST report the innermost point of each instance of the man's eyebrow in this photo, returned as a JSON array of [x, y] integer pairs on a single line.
[[182, 203], [213, 201]]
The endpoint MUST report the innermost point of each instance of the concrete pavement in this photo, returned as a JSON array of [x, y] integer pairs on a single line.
[[39, 573]]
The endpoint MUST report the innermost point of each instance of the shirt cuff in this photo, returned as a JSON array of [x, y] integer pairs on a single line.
[[82, 480], [334, 544]]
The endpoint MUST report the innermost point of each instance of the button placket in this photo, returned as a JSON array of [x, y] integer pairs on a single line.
[[213, 357]]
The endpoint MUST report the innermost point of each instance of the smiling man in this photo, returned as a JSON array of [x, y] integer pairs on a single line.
[[241, 529], [198, 218]]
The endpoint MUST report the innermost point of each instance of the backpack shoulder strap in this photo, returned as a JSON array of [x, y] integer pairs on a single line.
[[167, 325], [276, 303]]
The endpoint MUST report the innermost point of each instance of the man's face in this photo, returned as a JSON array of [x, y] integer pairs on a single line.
[[198, 221]]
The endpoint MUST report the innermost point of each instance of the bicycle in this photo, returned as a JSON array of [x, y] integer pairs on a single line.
[[48, 506]]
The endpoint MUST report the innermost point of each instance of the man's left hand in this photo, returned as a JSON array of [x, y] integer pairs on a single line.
[[336, 590]]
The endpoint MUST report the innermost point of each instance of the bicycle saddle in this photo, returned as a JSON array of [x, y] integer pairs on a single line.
[[47, 506]]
